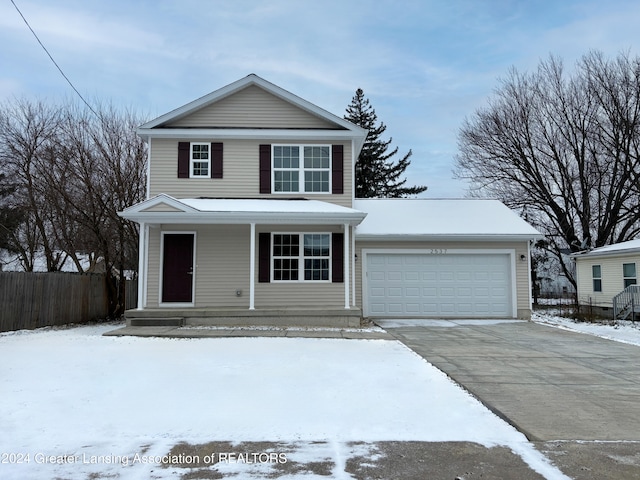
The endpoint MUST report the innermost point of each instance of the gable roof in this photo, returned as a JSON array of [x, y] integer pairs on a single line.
[[440, 219], [240, 211], [343, 128], [623, 248]]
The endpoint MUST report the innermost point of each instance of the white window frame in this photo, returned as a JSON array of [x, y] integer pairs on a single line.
[[598, 279], [300, 257], [192, 161], [629, 280], [300, 169]]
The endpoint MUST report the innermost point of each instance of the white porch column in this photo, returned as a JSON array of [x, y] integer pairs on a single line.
[[353, 268], [252, 268], [347, 264], [142, 243]]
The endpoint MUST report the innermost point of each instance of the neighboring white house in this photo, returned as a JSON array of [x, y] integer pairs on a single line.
[[251, 217], [605, 272]]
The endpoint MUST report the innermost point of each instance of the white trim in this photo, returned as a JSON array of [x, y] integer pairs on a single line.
[[300, 257], [449, 251], [252, 267], [301, 169], [161, 273], [346, 260], [353, 268], [147, 193], [145, 289], [191, 160], [529, 286], [141, 266], [243, 212]]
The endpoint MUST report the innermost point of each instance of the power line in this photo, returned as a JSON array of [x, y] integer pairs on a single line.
[[54, 62]]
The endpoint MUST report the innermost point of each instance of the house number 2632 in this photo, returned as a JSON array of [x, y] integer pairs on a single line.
[[438, 251]]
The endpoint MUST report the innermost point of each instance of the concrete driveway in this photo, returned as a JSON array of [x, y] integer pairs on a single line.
[[550, 383], [576, 396]]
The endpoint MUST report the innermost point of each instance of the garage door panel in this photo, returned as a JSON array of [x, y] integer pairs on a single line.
[[377, 275], [447, 285], [412, 276]]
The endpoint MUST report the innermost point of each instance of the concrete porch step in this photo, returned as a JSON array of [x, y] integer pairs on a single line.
[[219, 317], [156, 322]]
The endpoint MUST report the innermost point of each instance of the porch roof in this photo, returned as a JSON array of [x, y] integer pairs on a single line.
[[167, 209]]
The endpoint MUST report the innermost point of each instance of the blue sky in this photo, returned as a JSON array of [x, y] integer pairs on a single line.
[[425, 65]]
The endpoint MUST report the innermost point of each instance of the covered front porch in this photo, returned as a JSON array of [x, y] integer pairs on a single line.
[[229, 262]]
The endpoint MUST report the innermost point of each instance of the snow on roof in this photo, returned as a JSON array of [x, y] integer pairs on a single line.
[[630, 246], [441, 218], [241, 211], [263, 205]]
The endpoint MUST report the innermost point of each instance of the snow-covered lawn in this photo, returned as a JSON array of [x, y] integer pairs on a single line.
[[78, 405], [623, 331]]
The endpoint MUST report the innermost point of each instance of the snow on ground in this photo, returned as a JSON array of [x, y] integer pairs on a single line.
[[78, 405], [620, 331]]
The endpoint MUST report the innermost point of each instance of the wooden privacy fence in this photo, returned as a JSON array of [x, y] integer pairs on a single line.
[[32, 300]]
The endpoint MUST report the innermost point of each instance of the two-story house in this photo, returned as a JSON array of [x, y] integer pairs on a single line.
[[250, 218]]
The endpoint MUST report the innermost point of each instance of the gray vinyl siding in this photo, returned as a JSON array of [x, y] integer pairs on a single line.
[[240, 172], [523, 301], [222, 268], [252, 107], [612, 278]]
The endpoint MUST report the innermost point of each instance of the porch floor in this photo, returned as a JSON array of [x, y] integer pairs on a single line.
[[241, 317], [370, 333]]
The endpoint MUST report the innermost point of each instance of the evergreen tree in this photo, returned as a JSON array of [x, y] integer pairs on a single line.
[[377, 174]]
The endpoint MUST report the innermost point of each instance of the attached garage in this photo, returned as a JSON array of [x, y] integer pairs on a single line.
[[442, 258], [443, 284]]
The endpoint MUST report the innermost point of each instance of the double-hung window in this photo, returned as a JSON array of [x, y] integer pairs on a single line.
[[629, 274], [301, 168], [200, 160], [596, 274], [301, 257]]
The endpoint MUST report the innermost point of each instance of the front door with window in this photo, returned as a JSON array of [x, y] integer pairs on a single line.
[[177, 270]]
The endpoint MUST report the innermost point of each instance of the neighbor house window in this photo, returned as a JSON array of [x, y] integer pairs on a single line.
[[301, 168], [200, 160], [301, 257], [596, 273], [629, 274]]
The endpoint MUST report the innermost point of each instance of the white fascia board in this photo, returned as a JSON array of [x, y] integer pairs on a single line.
[[444, 238], [244, 133], [243, 218], [161, 198], [609, 253]]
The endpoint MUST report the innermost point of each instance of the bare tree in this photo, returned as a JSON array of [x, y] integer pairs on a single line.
[[73, 171], [27, 136], [563, 150]]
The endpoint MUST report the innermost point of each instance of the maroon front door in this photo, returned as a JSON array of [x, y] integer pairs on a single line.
[[177, 272]]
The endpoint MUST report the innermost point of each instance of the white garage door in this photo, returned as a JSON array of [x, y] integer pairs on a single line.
[[442, 285]]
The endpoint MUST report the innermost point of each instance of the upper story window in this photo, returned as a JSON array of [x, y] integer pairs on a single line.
[[200, 160], [629, 274], [596, 274], [301, 168]]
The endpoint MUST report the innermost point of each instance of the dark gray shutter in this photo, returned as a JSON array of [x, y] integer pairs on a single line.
[[216, 160], [337, 169], [264, 257], [265, 168], [184, 149], [337, 257]]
